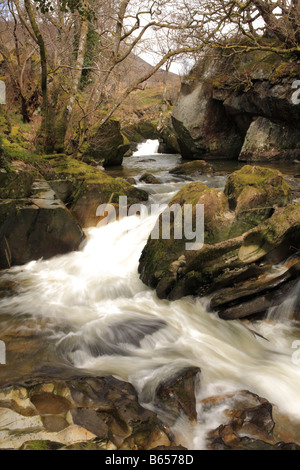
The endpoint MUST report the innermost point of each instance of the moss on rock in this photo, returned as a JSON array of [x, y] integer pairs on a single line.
[[105, 144]]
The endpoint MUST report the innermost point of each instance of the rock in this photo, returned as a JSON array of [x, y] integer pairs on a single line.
[[138, 132], [202, 127], [268, 141], [253, 193], [36, 227], [155, 265], [131, 180], [239, 105], [86, 187], [248, 424], [194, 168], [105, 145], [80, 413], [149, 179], [235, 265], [16, 182], [177, 395], [168, 142]]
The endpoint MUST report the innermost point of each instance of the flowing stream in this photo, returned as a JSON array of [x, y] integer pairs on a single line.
[[91, 312]]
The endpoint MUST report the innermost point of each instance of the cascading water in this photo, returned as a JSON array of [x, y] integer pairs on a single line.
[[95, 315], [150, 147], [289, 308]]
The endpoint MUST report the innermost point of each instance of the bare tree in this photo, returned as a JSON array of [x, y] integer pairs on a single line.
[[61, 31]]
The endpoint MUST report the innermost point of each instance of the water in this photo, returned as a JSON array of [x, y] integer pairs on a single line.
[[88, 311], [150, 147]]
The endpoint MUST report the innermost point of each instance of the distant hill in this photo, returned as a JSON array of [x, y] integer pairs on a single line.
[[137, 67]]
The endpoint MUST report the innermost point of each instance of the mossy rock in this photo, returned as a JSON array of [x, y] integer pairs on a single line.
[[91, 187], [194, 168], [160, 253], [105, 144], [234, 243], [16, 181], [41, 445]]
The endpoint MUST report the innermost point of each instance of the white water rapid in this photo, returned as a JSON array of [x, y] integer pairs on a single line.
[[150, 147], [100, 317]]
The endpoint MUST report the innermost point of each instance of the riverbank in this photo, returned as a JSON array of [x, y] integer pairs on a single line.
[[87, 314]]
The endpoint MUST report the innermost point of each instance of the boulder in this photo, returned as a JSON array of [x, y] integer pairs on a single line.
[[202, 127], [253, 193], [84, 187], [105, 145], [239, 105], [194, 168], [235, 264], [269, 141], [39, 226], [148, 178], [81, 413], [168, 142], [177, 394], [16, 181], [249, 424]]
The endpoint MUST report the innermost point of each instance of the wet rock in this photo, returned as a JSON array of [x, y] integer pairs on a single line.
[[247, 229], [36, 227], [157, 266], [105, 145], [194, 168], [149, 179], [131, 180], [248, 424], [84, 413], [178, 394]]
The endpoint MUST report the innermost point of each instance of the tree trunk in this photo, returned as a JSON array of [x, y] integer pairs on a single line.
[[64, 117], [45, 140]]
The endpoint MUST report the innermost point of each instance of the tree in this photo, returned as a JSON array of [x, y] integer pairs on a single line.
[[83, 45]]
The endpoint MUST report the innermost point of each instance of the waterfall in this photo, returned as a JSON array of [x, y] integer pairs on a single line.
[[95, 314], [289, 308], [150, 147]]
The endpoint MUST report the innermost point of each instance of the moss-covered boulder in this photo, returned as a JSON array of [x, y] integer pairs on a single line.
[[236, 249], [84, 187], [105, 145], [194, 168], [161, 258], [253, 192], [16, 181], [38, 226]]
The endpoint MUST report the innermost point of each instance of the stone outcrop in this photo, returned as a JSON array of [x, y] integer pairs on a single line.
[[103, 413], [87, 413], [105, 145], [248, 228], [239, 106], [194, 168], [44, 207], [34, 223], [252, 424], [83, 187]]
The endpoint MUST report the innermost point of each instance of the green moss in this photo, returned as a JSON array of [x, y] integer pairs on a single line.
[[264, 180], [41, 445], [289, 69]]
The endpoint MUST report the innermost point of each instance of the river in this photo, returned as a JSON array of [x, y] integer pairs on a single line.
[[88, 311]]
